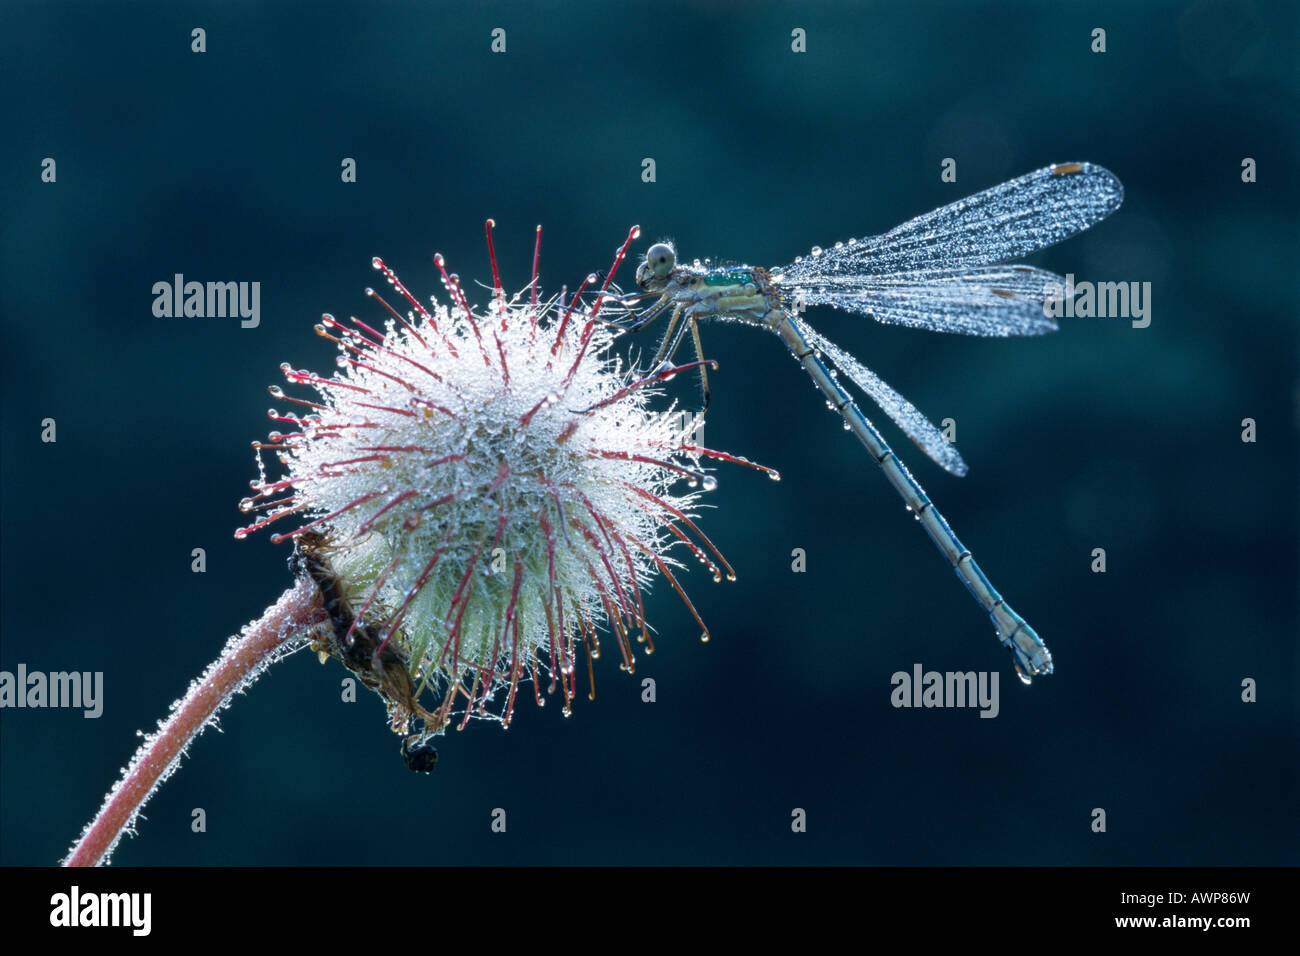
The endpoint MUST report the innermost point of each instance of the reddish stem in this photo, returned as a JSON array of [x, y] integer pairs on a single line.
[[241, 662]]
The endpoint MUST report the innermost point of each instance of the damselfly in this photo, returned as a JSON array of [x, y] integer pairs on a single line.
[[942, 271]]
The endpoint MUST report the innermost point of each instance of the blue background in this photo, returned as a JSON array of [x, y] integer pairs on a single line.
[[225, 165]]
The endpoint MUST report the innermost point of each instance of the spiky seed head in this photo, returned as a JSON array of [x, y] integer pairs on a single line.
[[495, 489]]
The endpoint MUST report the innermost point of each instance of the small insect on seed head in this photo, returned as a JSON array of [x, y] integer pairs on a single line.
[[483, 492]]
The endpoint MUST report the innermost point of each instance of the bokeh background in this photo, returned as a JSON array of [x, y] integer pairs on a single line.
[[226, 166]]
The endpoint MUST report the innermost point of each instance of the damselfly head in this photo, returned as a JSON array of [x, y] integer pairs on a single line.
[[654, 272]]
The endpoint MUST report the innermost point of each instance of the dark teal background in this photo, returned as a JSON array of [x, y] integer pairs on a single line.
[[225, 166]]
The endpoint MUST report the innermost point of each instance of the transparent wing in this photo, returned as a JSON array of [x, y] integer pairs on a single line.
[[905, 415], [992, 301], [998, 225]]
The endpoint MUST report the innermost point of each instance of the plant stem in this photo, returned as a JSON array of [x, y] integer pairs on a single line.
[[261, 643]]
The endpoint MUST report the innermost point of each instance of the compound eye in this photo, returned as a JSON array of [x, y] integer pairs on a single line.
[[660, 259]]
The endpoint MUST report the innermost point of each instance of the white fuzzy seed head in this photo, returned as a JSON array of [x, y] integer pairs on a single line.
[[489, 491]]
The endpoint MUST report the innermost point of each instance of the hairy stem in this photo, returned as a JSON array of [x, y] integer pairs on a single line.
[[278, 632]]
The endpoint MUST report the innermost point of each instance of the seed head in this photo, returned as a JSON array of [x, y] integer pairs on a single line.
[[490, 491]]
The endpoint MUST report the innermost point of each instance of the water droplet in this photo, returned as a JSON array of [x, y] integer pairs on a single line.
[[839, 245], [704, 638], [709, 483], [774, 475], [717, 577], [848, 427], [816, 250], [377, 263]]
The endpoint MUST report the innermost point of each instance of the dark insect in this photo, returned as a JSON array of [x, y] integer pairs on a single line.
[[419, 757], [359, 645]]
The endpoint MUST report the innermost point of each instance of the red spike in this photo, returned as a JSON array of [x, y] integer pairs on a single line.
[[515, 672], [374, 593], [378, 371], [370, 522], [591, 673], [453, 283], [553, 587], [377, 346], [604, 525], [306, 378], [723, 456], [416, 587], [632, 233], [451, 349], [492, 255], [684, 520], [673, 581], [277, 538], [648, 380], [532, 282], [528, 415], [277, 392], [647, 460], [456, 599], [245, 532], [396, 283], [505, 371], [564, 321]]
